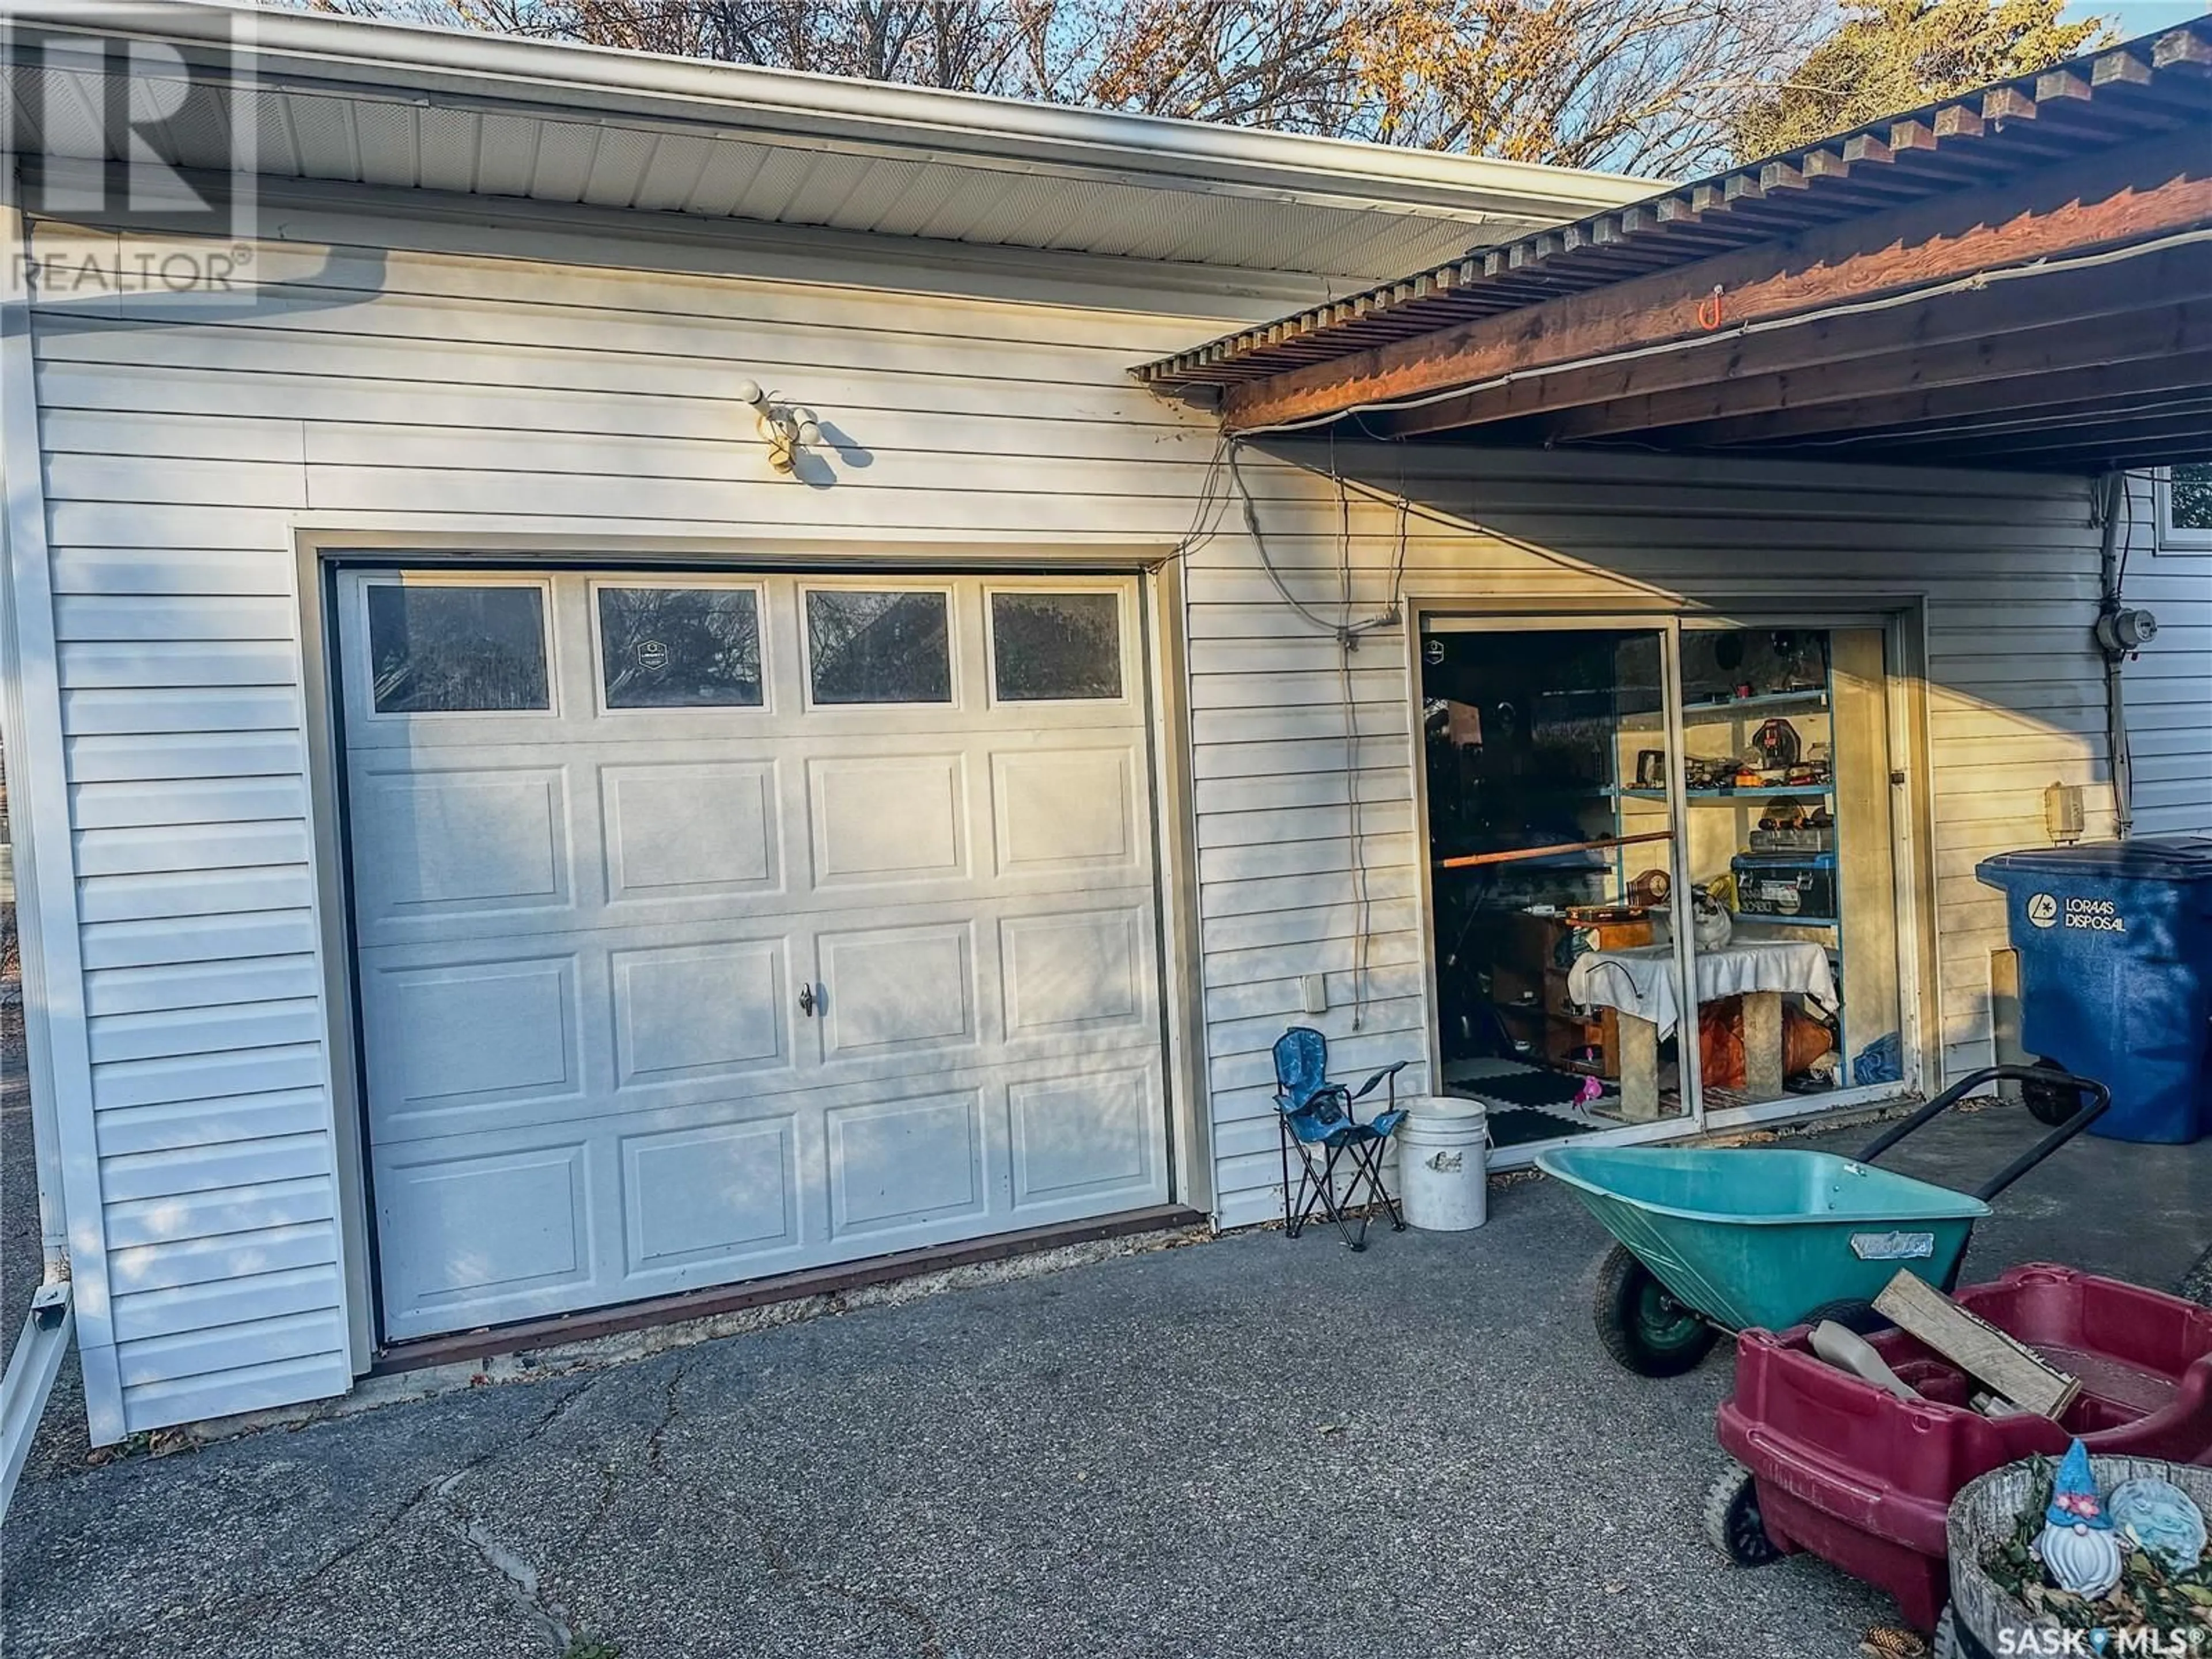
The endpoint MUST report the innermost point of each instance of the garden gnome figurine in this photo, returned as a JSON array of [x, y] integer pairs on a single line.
[[2079, 1548]]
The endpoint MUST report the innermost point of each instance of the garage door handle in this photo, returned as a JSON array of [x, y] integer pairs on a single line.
[[806, 999]]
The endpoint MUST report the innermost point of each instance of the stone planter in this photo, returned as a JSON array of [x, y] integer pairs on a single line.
[[1986, 1510]]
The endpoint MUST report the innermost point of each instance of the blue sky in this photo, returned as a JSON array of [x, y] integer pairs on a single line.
[[2134, 17]]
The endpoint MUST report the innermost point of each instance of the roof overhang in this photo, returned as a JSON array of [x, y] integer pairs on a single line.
[[2021, 277], [355, 102]]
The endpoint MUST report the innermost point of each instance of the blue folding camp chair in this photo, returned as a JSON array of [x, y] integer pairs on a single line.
[[1315, 1116]]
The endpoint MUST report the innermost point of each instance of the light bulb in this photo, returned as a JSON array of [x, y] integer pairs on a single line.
[[749, 391]]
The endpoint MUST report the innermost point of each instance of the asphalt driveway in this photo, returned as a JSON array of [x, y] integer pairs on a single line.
[[1250, 1447]]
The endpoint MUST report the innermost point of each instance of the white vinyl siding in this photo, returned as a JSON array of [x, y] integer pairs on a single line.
[[2006, 565], [392, 393], [2168, 687], [549, 394]]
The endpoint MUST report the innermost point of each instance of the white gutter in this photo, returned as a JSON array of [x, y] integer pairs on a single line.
[[969, 129]]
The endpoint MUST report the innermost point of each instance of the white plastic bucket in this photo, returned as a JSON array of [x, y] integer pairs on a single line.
[[1444, 1165]]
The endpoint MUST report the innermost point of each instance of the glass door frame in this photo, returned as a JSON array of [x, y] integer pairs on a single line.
[[1906, 726], [1426, 615], [1898, 619]]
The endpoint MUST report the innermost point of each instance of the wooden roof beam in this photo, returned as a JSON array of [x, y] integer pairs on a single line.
[[2018, 344], [2012, 349], [2051, 366], [2135, 193], [2084, 299], [2036, 412], [2092, 442]]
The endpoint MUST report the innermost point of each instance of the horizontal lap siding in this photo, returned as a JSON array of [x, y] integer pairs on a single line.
[[182, 721], [2169, 685], [373, 392], [2008, 567], [417, 392]]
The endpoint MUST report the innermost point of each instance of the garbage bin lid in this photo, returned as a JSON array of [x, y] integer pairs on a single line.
[[2145, 857]]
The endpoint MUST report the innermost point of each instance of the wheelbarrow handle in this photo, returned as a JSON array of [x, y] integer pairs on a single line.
[[2100, 1098]]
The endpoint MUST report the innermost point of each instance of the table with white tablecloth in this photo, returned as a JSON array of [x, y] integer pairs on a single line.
[[1640, 985]]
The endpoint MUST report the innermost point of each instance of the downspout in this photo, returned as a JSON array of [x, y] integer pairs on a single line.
[[14, 747], [2120, 633], [49, 1324]]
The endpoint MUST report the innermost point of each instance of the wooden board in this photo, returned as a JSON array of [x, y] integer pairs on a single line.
[[1976, 1347]]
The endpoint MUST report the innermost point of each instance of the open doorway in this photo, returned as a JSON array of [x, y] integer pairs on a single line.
[[1541, 858], [1617, 811]]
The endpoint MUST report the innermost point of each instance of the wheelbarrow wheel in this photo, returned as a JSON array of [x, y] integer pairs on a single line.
[[1732, 1520], [1641, 1324], [2051, 1102]]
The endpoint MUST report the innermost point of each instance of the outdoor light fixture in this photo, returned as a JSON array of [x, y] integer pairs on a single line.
[[786, 429]]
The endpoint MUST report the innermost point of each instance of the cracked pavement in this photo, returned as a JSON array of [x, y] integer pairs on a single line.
[[1250, 1447]]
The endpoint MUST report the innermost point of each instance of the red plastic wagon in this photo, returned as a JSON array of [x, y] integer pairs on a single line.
[[1832, 1466]]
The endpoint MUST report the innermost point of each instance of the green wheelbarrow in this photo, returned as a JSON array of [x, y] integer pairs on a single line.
[[1714, 1239]]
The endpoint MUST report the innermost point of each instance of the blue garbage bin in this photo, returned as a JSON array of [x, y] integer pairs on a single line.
[[2115, 943]]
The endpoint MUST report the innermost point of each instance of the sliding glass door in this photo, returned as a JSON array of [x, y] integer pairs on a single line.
[[1655, 850], [1552, 843]]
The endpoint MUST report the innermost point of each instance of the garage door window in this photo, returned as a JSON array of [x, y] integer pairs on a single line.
[[680, 647], [446, 648], [869, 645], [1055, 647]]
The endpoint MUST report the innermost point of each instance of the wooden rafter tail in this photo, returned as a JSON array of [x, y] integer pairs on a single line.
[[1957, 121], [2012, 117], [2119, 68], [2183, 49]]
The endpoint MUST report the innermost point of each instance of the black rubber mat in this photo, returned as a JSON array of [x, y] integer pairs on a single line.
[[1527, 1088], [1517, 1126]]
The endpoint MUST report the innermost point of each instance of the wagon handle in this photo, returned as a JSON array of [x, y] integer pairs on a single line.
[[2100, 1098]]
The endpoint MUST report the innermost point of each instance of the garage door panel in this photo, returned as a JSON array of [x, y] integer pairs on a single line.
[[891, 992], [583, 936], [698, 830], [1057, 811], [700, 1010], [704, 1203], [1076, 1139], [493, 1236], [449, 1040], [1086, 970], [901, 1163], [889, 818], [432, 843]]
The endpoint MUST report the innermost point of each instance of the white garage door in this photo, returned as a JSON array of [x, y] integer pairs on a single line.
[[713, 926]]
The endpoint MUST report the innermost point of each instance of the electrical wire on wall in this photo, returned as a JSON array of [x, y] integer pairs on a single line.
[[2124, 756], [2120, 630], [1346, 627]]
